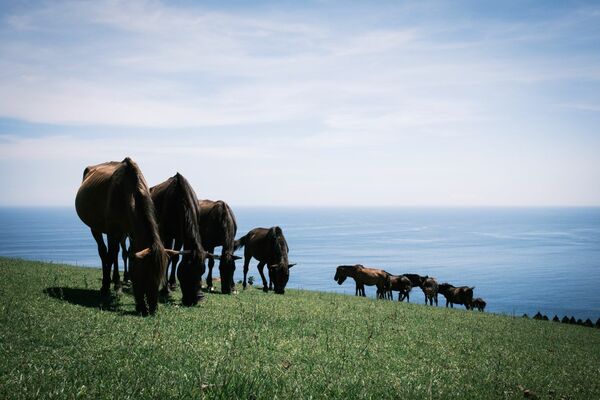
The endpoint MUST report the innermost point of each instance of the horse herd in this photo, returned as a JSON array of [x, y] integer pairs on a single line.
[[387, 283], [166, 222]]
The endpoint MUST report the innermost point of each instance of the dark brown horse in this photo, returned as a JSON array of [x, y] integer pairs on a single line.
[[429, 286], [480, 304], [363, 276], [218, 228], [457, 295], [270, 248], [402, 285], [177, 213], [114, 199]]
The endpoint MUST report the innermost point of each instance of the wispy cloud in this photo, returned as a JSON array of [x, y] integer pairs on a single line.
[[292, 86], [150, 64]]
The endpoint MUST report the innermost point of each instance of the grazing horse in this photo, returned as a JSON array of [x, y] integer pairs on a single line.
[[177, 213], [430, 289], [457, 295], [114, 199], [480, 304], [218, 228], [270, 248], [402, 285], [416, 280], [363, 276]]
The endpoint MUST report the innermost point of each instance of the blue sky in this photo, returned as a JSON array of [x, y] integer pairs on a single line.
[[306, 103]]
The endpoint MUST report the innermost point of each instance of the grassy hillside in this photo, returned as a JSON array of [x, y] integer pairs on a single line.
[[55, 341]]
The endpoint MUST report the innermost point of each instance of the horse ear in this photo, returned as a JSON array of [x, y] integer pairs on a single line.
[[172, 253], [211, 255], [142, 253], [291, 265]]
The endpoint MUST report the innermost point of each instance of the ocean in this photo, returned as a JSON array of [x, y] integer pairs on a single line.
[[520, 260]]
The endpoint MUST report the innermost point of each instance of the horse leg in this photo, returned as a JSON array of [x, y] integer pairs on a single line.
[[246, 265], [436, 300], [407, 297], [104, 258], [261, 266], [174, 261], [164, 282], [113, 256], [152, 296], [362, 290], [138, 293], [211, 264], [125, 255]]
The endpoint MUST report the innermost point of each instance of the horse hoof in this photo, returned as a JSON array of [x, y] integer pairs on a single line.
[[265, 289]]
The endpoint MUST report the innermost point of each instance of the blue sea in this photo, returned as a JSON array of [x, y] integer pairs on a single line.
[[520, 260]]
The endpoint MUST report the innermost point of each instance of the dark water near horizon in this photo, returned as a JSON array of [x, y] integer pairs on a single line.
[[520, 260]]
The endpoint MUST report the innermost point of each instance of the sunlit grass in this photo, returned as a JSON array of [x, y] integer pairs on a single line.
[[56, 341]]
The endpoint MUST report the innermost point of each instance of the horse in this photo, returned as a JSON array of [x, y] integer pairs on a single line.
[[177, 213], [270, 248], [429, 286], [114, 199], [218, 228], [402, 285], [415, 279], [363, 276], [480, 304], [457, 295]]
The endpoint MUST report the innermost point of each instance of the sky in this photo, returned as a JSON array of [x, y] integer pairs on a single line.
[[318, 103]]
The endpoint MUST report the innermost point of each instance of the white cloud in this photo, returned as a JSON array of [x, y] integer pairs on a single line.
[[347, 111]]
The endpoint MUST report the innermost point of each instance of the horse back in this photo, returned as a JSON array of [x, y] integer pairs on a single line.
[[217, 223], [96, 203], [260, 245]]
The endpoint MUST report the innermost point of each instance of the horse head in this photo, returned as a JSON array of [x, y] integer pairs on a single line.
[[279, 274], [226, 270], [189, 274]]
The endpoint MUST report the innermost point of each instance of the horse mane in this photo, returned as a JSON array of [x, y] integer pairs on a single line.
[[188, 212], [280, 245], [229, 225], [130, 181]]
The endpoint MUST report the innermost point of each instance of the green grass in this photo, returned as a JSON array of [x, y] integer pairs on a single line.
[[56, 342]]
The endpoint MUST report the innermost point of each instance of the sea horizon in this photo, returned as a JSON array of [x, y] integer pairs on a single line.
[[520, 260]]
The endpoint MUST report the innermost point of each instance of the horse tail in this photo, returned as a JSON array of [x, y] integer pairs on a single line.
[[188, 211], [388, 281], [228, 224], [241, 242]]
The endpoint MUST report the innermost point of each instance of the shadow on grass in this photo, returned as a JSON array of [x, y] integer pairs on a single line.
[[85, 298]]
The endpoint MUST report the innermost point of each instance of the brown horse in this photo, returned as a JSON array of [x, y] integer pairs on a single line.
[[480, 304], [218, 228], [270, 248], [402, 285], [457, 295], [114, 199], [429, 286], [178, 214], [363, 276]]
